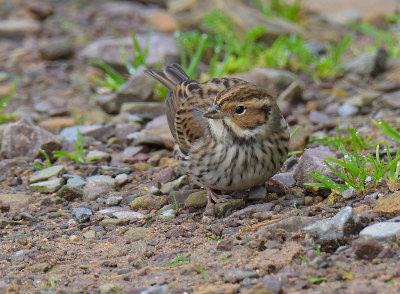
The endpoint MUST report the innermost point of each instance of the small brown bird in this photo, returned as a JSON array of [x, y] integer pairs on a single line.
[[230, 133]]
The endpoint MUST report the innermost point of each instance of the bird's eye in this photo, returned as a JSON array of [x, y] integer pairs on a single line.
[[240, 109]]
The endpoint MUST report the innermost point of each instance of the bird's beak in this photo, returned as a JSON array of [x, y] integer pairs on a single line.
[[214, 112]]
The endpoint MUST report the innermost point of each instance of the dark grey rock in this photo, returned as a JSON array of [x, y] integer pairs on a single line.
[[70, 193], [313, 160], [82, 214], [22, 138], [366, 248], [115, 170], [344, 223], [384, 231], [258, 193]]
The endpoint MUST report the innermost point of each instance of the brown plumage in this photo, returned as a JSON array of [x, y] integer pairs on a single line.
[[230, 133]]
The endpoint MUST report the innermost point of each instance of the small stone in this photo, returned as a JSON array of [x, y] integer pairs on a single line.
[[292, 223], [272, 284], [369, 63], [23, 139], [151, 108], [115, 171], [128, 215], [121, 180], [123, 130], [313, 160], [70, 193], [165, 175], [56, 49], [107, 288], [366, 248], [342, 224], [69, 133], [391, 100], [97, 155], [130, 96], [136, 234], [161, 20], [384, 231], [141, 166], [318, 117], [174, 185], [19, 27], [82, 214], [388, 205], [110, 221], [235, 276], [97, 186], [258, 193], [148, 202], [230, 205], [349, 193], [89, 234], [76, 181], [50, 186], [131, 151], [308, 200], [18, 255], [113, 200], [364, 99], [346, 110], [46, 173], [168, 214], [196, 200], [287, 179]]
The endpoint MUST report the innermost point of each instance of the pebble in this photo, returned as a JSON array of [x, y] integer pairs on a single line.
[[235, 276], [368, 63], [19, 27], [69, 133], [110, 221], [81, 214], [221, 209], [128, 215], [384, 231], [258, 193], [136, 234], [141, 166], [113, 200], [49, 186], [364, 99], [272, 284], [174, 185], [130, 96], [97, 186], [107, 288], [89, 234], [131, 151], [313, 160], [366, 248], [318, 117], [155, 290], [97, 155], [56, 49], [121, 180], [287, 179], [46, 173], [388, 205], [23, 139], [168, 214], [75, 181], [308, 200], [165, 175], [391, 100], [115, 171], [346, 110], [293, 223], [149, 202], [196, 200], [345, 222]]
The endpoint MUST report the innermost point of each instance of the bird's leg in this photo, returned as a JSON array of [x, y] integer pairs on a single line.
[[214, 197]]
